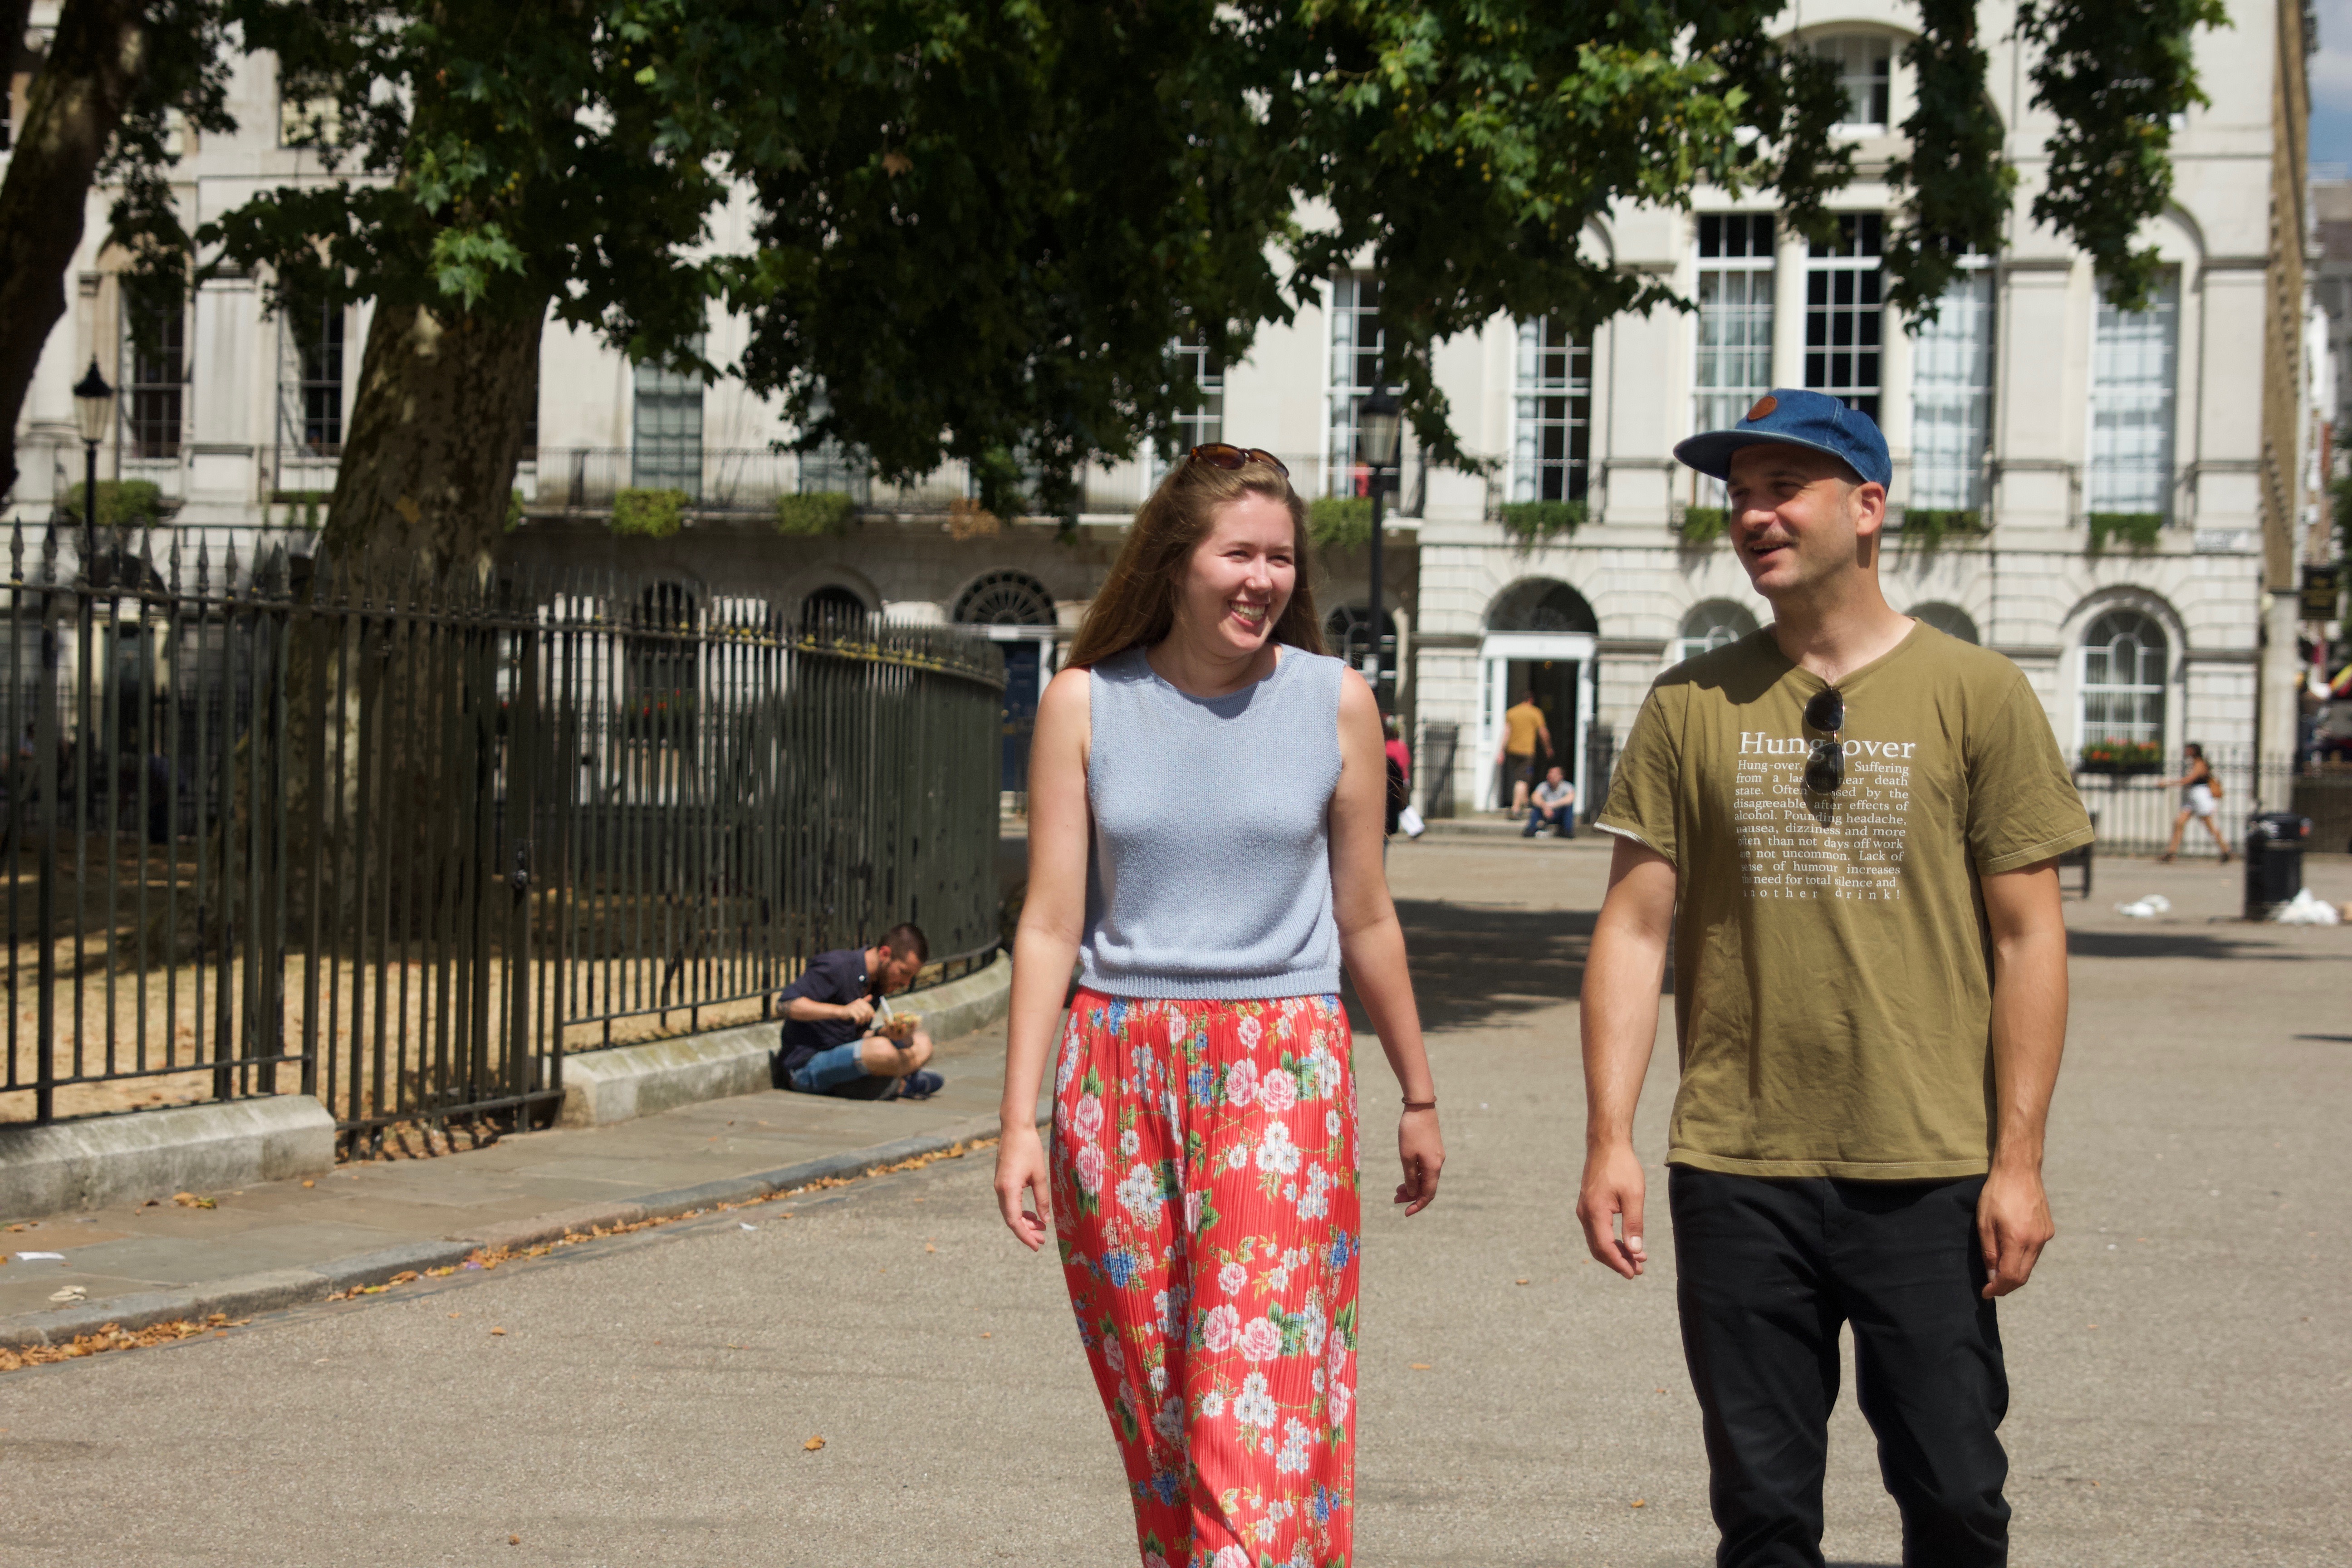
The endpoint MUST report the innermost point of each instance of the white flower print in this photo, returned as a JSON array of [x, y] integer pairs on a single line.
[[1142, 1059], [1220, 1326], [1232, 1278], [1087, 1116], [1292, 1458], [1140, 1194], [1112, 1357], [1277, 1091], [1167, 1306], [1317, 1380], [1158, 1378], [1090, 1162], [1255, 1406], [1230, 1557], [1191, 1212], [1315, 1328], [1279, 1153], [1316, 1202], [1212, 1404], [1250, 1032], [1175, 1028], [1261, 1339], [1169, 1420], [1341, 1399], [1128, 1143], [1067, 1069], [1330, 1125], [1241, 1082]]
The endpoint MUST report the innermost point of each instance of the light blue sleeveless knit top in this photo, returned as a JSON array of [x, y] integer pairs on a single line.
[[1209, 871]]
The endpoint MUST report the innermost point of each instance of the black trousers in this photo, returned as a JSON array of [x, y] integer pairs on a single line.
[[1768, 1271]]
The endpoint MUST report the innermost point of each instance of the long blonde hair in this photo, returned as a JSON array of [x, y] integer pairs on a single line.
[[1137, 603]]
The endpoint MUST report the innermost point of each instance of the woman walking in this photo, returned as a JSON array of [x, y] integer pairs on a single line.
[[2199, 792], [1206, 805]]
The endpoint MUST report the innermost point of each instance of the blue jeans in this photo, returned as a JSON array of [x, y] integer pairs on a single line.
[[828, 1069]]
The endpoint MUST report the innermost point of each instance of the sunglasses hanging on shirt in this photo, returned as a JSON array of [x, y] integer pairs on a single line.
[[1825, 769]]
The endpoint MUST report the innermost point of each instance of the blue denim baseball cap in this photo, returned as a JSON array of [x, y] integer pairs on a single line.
[[1791, 416]]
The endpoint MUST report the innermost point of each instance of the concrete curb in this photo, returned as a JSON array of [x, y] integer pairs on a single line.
[[250, 1293], [124, 1160], [601, 1087]]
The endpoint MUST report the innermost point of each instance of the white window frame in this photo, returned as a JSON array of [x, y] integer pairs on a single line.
[[2135, 400], [2142, 690], [1208, 422], [173, 390], [1731, 362], [1554, 394], [1850, 278], [1351, 318], [1952, 369], [1867, 73], [668, 456], [295, 382]]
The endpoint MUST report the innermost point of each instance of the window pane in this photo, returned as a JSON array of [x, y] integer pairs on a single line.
[[2125, 658], [153, 381], [1551, 430], [1863, 71], [667, 449], [2132, 366], [1843, 318], [1356, 358], [1951, 397]]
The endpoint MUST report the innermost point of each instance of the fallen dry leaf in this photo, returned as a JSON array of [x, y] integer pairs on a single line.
[[497, 1331], [514, 1541], [190, 1201], [405, 1277], [813, 1444], [310, 1184], [1518, 1281], [928, 1247], [1420, 1366], [1640, 1502]]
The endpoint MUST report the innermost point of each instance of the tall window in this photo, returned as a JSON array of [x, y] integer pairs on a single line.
[[1711, 625], [1843, 316], [1863, 65], [1356, 351], [155, 355], [311, 379], [1207, 422], [2133, 357], [666, 452], [2123, 659], [1951, 395], [1551, 440], [1735, 316]]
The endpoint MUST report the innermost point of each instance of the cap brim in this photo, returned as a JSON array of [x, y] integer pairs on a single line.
[[1710, 452]]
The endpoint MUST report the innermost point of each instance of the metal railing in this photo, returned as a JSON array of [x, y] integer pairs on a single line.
[[403, 845], [2134, 809]]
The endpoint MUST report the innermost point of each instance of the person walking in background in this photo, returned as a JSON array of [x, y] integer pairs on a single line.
[[830, 1043], [1847, 825], [2201, 795], [1206, 817], [1553, 806], [1523, 731]]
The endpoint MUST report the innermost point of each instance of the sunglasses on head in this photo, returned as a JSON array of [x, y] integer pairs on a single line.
[[1225, 455], [1825, 769]]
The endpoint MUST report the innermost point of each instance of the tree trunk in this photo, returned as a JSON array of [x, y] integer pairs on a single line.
[[435, 436], [95, 63]]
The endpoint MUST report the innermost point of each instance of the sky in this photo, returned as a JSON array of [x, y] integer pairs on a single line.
[[2331, 86]]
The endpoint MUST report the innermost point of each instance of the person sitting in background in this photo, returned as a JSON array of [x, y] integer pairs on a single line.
[[1552, 806], [831, 1043]]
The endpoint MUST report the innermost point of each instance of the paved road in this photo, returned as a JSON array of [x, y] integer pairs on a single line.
[[2183, 1363]]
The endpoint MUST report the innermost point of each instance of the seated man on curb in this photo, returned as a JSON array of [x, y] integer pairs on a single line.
[[830, 1043], [1552, 806]]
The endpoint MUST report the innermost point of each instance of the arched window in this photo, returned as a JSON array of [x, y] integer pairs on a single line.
[[1711, 625], [833, 607], [2124, 660], [1540, 604], [1349, 629], [1005, 599], [1949, 619]]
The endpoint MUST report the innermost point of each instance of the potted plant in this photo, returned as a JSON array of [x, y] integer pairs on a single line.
[[2121, 758]]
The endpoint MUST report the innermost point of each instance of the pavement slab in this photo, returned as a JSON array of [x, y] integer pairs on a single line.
[[2180, 1364]]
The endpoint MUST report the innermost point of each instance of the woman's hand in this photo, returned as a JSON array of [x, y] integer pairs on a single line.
[[1021, 1165], [1423, 1151]]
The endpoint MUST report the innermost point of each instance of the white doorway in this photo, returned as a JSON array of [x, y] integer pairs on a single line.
[[1556, 667]]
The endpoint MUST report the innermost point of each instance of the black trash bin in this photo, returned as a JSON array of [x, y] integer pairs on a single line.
[[2275, 842]]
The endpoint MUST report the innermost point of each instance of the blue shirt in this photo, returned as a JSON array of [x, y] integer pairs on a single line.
[[838, 978]]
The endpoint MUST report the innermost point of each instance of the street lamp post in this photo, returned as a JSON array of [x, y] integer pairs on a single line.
[[1381, 421], [94, 410]]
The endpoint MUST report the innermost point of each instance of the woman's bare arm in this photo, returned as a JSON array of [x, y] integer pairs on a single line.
[[1052, 918], [1371, 942]]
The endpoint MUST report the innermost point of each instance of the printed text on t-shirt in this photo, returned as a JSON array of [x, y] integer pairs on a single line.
[[1848, 844]]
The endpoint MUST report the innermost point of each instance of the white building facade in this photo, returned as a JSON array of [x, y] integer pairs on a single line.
[[2089, 491]]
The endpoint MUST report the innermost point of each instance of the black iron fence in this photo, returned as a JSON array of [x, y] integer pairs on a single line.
[[401, 845], [2137, 805]]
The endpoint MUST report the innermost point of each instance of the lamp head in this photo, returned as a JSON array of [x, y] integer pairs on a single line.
[[93, 403], [1382, 422]]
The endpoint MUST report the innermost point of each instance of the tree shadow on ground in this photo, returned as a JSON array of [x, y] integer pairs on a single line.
[[1477, 964], [2185, 945]]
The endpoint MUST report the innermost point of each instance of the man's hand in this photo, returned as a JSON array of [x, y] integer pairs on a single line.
[[1614, 1184], [858, 1011], [2014, 1225]]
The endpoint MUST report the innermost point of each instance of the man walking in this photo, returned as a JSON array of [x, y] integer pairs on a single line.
[[1523, 731], [830, 1043], [1847, 823]]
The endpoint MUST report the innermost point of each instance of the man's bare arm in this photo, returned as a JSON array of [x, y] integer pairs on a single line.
[[2029, 1034], [1619, 1024]]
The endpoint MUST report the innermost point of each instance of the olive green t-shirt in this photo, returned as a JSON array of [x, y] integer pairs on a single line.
[[1832, 967]]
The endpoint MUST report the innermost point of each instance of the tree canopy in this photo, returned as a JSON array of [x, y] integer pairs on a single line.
[[978, 227]]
